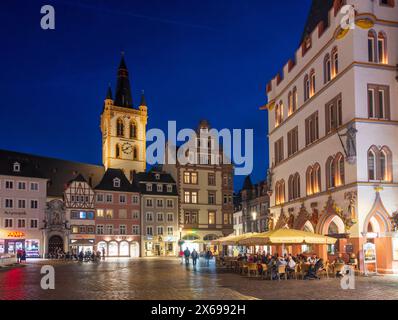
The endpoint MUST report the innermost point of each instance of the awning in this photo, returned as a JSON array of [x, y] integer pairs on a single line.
[[286, 236], [233, 240]]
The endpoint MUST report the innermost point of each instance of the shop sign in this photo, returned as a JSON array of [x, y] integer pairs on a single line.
[[14, 213], [16, 234], [369, 252], [82, 236]]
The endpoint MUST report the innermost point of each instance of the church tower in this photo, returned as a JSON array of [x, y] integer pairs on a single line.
[[123, 127]]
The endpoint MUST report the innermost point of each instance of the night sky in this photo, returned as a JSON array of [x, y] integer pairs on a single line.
[[195, 59]]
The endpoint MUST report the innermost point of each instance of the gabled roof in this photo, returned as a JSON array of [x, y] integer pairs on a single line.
[[58, 172], [247, 184], [79, 178], [107, 182]]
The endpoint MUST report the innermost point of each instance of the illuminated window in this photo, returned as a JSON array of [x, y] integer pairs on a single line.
[[212, 218], [335, 62], [327, 69], [371, 165], [306, 87], [382, 48], [100, 213], [312, 83], [372, 53]]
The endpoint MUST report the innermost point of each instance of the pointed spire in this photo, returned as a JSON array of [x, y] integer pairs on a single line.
[[123, 97], [247, 184], [122, 64], [143, 99], [109, 95]]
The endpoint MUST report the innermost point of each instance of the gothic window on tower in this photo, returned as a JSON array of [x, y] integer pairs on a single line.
[[118, 151], [380, 164], [306, 87], [120, 127], [379, 102], [135, 153], [327, 69], [335, 65], [133, 130], [334, 114]]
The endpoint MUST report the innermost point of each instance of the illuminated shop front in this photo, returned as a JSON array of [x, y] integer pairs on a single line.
[[161, 246], [79, 245], [119, 248], [12, 241]]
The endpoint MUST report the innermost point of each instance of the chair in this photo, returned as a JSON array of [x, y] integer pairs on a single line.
[[245, 268], [338, 268], [303, 269], [252, 268], [266, 271], [326, 269], [296, 271], [240, 267], [282, 270]]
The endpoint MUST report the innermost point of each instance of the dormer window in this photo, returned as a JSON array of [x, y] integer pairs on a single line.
[[16, 167], [169, 188], [116, 183], [149, 187], [157, 176], [160, 188]]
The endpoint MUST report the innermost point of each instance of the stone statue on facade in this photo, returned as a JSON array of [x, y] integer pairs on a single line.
[[351, 145]]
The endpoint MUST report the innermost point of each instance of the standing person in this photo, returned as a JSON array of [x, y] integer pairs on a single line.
[[103, 253], [194, 257], [181, 254], [81, 256], [187, 253], [23, 256], [19, 255], [208, 257]]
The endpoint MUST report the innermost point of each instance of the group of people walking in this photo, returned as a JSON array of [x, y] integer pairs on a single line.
[[194, 255]]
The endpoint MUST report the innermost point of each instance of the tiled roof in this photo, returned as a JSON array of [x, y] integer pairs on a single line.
[[107, 182], [142, 179], [58, 172]]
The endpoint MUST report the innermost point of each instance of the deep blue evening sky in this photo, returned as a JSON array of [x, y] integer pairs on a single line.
[[194, 58]]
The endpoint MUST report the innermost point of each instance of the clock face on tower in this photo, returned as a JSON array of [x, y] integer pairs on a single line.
[[127, 148]]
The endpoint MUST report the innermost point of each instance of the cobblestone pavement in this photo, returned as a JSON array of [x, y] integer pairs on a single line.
[[167, 279]]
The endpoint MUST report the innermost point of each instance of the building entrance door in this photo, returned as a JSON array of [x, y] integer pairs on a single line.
[[55, 244]]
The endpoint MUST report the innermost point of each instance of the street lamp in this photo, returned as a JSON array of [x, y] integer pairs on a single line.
[[180, 243]]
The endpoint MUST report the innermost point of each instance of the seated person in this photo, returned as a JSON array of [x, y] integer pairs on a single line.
[[353, 261], [338, 260], [291, 265], [313, 259]]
